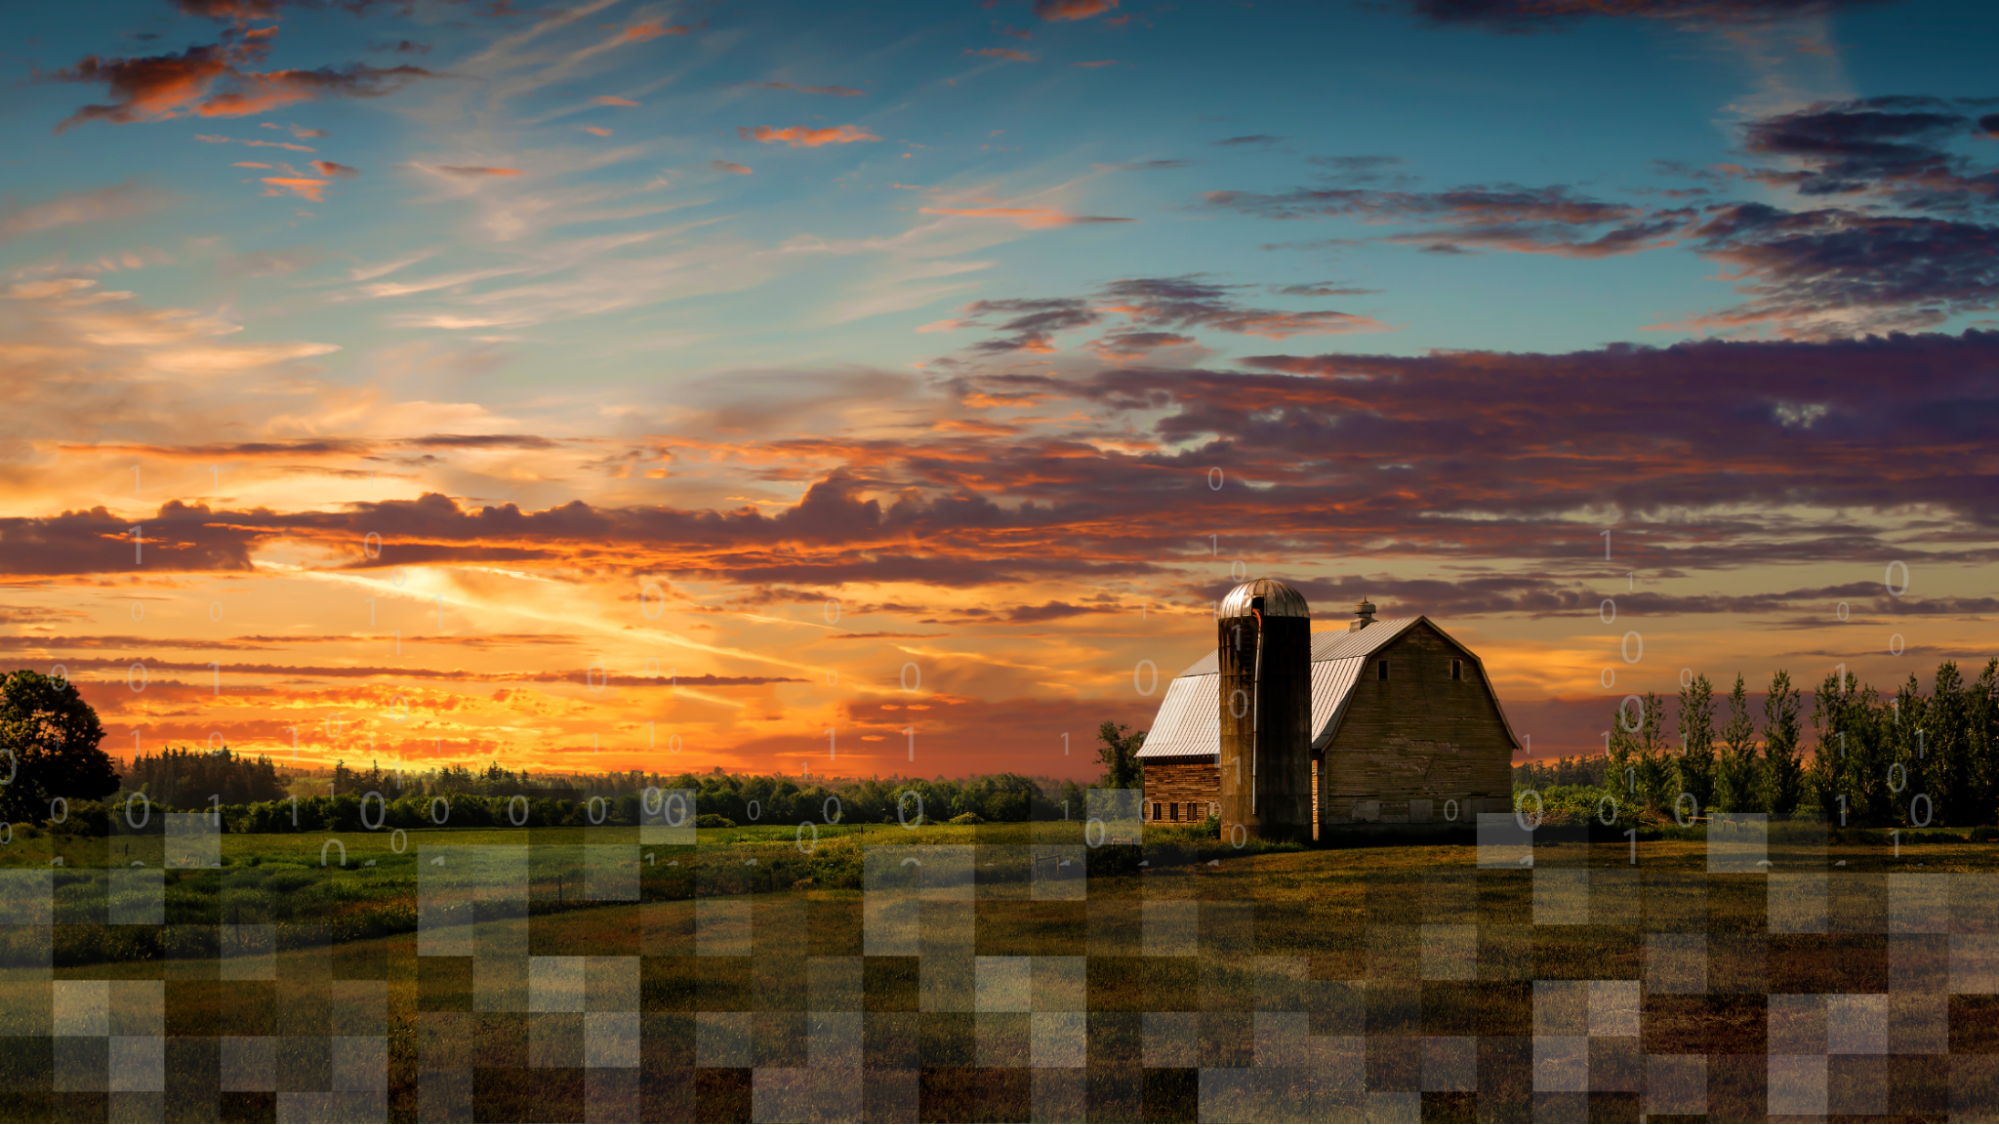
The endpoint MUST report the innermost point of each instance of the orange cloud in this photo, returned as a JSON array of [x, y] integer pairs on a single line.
[[338, 171], [212, 81], [1097, 63], [609, 100], [596, 130], [474, 170], [1030, 218], [731, 166], [800, 136], [642, 32], [304, 188], [248, 164], [1062, 11], [1007, 53]]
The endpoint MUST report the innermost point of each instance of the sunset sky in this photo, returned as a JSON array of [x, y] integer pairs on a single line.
[[607, 385]]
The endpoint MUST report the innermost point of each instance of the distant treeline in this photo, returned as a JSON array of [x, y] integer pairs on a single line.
[[499, 798], [1876, 761], [180, 776]]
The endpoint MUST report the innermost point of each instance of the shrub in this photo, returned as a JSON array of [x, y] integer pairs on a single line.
[[967, 818], [713, 820]]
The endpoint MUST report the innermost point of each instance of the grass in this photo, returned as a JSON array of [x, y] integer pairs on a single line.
[[1324, 920]]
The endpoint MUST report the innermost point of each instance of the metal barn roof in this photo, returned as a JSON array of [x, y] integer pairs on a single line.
[[1189, 722]]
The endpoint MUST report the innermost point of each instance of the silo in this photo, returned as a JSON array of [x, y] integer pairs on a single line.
[[1264, 647]]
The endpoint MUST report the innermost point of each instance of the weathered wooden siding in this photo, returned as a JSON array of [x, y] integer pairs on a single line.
[[1182, 783], [1408, 745]]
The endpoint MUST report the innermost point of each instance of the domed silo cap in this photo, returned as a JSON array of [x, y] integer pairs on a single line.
[[1279, 600]]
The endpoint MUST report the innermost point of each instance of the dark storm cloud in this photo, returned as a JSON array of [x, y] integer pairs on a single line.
[[1517, 16]]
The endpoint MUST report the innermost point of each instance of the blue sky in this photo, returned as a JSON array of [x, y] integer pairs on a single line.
[[904, 306]]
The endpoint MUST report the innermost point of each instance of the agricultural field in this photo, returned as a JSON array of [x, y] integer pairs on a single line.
[[1323, 983]]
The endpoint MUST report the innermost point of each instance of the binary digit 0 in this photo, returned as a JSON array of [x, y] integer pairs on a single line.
[[1841, 611], [1888, 579], [63, 817], [902, 805], [651, 588], [1929, 810], [831, 611], [800, 838], [754, 810], [1153, 686], [136, 825], [833, 811], [436, 801], [1693, 812], [521, 821], [1540, 810], [1609, 607], [903, 678], [598, 810], [1238, 835], [1895, 645], [383, 802], [1686, 677], [1893, 786], [399, 841], [1600, 818], [1215, 479], [1608, 677], [1102, 832], [1625, 647], [1451, 810], [1637, 717], [675, 810], [144, 678]]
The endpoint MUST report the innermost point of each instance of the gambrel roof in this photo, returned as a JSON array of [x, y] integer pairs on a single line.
[[1189, 722]]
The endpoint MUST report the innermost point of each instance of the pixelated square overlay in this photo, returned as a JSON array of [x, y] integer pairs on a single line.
[[1503, 844], [666, 817], [898, 882], [1738, 843], [1114, 816], [1061, 871]]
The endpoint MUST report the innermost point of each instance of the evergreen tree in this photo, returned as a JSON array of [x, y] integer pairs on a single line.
[[1982, 746], [1948, 742], [1654, 757], [1739, 785], [1781, 776], [1694, 769]]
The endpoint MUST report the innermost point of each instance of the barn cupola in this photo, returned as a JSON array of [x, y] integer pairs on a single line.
[[1363, 615]]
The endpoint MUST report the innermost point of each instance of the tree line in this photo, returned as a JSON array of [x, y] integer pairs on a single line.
[[1876, 761]]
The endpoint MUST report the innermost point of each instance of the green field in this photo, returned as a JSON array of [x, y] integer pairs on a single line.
[[1280, 931]]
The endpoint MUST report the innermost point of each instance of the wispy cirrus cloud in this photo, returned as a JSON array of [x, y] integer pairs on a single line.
[[804, 136], [71, 208], [828, 91], [1027, 218]]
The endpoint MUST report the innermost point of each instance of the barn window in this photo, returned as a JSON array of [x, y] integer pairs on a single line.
[[1381, 670], [1457, 669], [1173, 811], [1155, 810]]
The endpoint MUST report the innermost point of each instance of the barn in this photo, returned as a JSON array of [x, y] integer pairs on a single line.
[[1403, 726]]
